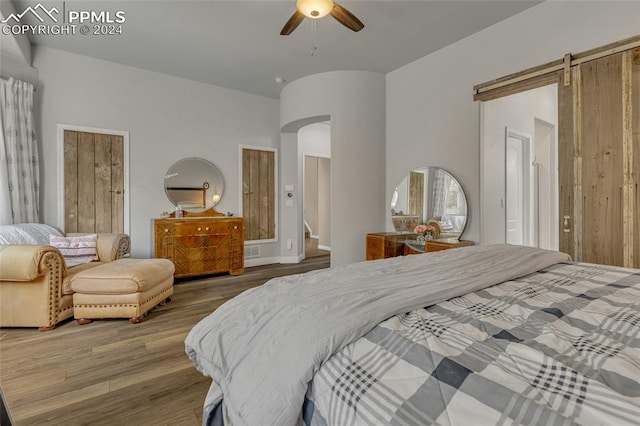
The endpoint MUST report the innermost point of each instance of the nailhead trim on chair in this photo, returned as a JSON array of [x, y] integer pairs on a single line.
[[124, 246], [52, 263], [123, 305]]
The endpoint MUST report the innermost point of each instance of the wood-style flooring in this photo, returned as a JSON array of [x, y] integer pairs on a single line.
[[311, 248], [111, 372]]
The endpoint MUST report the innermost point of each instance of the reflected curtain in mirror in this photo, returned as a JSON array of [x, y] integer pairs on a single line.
[[429, 195], [416, 194]]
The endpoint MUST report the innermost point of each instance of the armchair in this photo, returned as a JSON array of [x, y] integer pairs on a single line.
[[34, 281]]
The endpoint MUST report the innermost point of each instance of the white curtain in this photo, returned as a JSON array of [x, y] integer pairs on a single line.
[[441, 183], [19, 168]]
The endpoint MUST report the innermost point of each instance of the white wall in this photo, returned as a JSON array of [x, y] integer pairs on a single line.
[[16, 46], [168, 118], [355, 103], [431, 117], [315, 140], [517, 112]]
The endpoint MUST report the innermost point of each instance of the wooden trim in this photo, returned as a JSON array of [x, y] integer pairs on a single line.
[[547, 72], [627, 159], [634, 166], [577, 166], [565, 169], [606, 50]]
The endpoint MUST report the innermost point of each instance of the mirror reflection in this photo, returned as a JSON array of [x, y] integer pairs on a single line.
[[429, 196], [193, 183]]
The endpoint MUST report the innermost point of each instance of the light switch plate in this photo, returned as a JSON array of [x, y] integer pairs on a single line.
[[288, 203], [289, 187]]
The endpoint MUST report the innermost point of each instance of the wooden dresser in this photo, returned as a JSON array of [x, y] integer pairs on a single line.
[[437, 245], [381, 245], [200, 245]]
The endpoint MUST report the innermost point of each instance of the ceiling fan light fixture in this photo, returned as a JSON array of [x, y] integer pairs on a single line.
[[314, 8]]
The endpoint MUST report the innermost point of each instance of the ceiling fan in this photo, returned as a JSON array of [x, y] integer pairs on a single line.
[[315, 9]]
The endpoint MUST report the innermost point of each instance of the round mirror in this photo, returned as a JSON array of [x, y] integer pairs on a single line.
[[193, 183], [429, 195]]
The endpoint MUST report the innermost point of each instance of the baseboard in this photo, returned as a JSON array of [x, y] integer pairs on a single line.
[[327, 248], [292, 259], [248, 263]]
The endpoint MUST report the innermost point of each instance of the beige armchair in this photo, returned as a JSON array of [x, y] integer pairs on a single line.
[[34, 281]]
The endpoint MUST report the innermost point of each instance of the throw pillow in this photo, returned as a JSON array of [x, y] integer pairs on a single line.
[[76, 250]]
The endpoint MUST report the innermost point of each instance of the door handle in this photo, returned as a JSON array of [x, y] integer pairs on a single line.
[[117, 191], [565, 224]]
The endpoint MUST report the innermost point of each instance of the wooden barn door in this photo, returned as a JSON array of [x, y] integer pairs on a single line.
[[93, 182], [599, 160], [258, 194]]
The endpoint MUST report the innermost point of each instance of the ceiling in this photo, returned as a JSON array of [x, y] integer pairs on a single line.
[[236, 44]]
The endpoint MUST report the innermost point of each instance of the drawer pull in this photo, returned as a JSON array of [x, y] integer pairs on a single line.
[[199, 229], [206, 229], [166, 230], [235, 227]]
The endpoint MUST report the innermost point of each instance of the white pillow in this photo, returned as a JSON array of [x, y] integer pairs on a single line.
[[76, 250], [27, 233]]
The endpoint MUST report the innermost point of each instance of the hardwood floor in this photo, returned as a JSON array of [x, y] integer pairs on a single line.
[[111, 372], [311, 248]]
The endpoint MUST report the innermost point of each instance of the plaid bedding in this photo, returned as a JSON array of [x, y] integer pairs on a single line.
[[557, 347]]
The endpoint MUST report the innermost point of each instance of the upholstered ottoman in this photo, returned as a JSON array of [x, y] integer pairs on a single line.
[[125, 288]]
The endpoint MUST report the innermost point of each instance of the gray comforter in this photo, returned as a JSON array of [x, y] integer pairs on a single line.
[[263, 347]]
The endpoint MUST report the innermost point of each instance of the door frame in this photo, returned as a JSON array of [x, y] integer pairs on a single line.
[[529, 225], [304, 174], [60, 150]]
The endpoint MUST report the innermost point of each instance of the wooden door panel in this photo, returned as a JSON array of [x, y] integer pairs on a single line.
[[602, 161], [86, 183], [117, 184], [599, 163], [102, 170], [565, 168], [93, 182], [70, 153], [635, 155], [258, 193]]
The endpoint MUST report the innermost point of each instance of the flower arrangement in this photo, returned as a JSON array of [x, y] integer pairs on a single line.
[[424, 229]]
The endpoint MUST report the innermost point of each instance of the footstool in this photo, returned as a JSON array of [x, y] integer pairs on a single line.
[[124, 288]]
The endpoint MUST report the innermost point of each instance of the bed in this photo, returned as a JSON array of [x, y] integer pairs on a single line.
[[476, 335]]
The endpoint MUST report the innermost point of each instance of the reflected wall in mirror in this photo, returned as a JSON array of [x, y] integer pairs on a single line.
[[194, 183], [429, 195]]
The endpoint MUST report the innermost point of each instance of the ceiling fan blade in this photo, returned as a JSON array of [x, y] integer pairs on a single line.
[[292, 23], [346, 18]]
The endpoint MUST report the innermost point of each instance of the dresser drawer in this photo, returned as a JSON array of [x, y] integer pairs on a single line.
[[201, 246]]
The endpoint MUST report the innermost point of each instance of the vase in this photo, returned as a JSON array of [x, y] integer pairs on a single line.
[[420, 239]]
